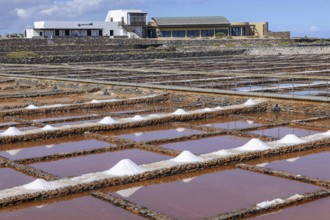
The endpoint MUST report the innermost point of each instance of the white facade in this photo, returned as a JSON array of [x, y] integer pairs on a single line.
[[112, 27]]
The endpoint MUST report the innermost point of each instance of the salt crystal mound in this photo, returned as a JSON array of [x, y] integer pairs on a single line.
[[138, 118], [13, 152], [249, 102], [291, 139], [254, 145], [188, 180], [125, 167], [128, 192], [267, 203], [326, 133], [49, 128], [32, 107], [179, 112], [218, 108], [50, 145], [107, 120], [180, 130], [138, 134], [250, 122], [12, 131], [207, 110], [186, 157], [38, 184], [94, 101], [222, 153]]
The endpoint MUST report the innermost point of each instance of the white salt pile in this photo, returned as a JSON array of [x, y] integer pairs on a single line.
[[38, 184], [250, 122], [138, 134], [12, 131], [107, 120], [291, 160], [222, 153], [48, 128], [262, 164], [249, 102], [125, 167], [297, 196], [94, 101], [32, 107], [53, 106], [137, 118], [179, 112], [186, 157], [50, 145], [13, 152], [188, 180], [326, 133], [128, 192], [218, 108], [254, 145], [267, 203], [291, 139], [180, 129], [207, 110]]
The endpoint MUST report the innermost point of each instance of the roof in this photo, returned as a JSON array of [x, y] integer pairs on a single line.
[[191, 21]]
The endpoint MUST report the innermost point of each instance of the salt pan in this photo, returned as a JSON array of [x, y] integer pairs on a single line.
[[49, 128], [186, 157], [291, 139], [125, 167], [107, 120], [179, 112], [32, 107], [254, 145], [12, 131]]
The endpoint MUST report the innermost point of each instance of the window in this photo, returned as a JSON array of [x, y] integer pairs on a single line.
[[193, 33], [40, 34], [67, 32], [179, 33], [137, 19], [89, 32], [207, 33], [100, 32], [235, 31], [111, 33], [225, 31], [244, 31], [165, 33]]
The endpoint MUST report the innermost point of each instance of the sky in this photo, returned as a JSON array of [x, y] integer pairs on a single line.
[[302, 17]]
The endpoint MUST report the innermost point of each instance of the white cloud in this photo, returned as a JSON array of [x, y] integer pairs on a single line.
[[23, 13]]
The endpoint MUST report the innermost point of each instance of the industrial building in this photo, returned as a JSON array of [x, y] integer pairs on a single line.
[[133, 24]]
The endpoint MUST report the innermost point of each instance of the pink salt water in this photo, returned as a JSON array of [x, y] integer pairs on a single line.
[[228, 123], [96, 162], [84, 208], [314, 165], [211, 194], [36, 150], [279, 132], [207, 145], [10, 178]]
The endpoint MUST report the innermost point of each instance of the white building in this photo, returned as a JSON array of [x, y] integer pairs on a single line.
[[118, 23]]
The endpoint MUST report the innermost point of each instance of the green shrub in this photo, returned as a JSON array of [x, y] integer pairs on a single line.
[[220, 35]]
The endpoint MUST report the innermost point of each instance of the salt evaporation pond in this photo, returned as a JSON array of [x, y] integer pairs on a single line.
[[97, 162], [11, 178], [155, 132], [275, 117], [314, 165], [228, 123], [313, 210], [33, 150], [207, 145], [280, 132], [211, 194], [84, 208]]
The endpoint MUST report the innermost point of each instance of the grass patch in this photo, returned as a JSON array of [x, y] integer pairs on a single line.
[[22, 54]]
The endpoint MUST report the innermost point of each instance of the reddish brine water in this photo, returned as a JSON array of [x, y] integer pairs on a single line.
[[84, 208], [279, 132], [96, 162], [10, 178], [49, 148], [211, 194], [207, 145]]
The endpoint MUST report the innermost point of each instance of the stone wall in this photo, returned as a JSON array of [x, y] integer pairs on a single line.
[[283, 34]]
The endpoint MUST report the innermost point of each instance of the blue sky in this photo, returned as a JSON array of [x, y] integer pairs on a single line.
[[301, 17]]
